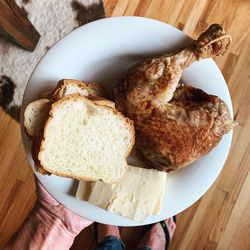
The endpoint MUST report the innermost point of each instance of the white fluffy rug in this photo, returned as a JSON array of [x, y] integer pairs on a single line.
[[53, 20]]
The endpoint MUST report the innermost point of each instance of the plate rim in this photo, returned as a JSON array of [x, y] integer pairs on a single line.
[[77, 30]]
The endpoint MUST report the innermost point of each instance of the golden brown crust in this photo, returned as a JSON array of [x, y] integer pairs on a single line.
[[45, 108], [174, 127], [40, 170], [97, 89], [101, 101], [35, 148], [172, 137], [93, 88], [62, 84], [171, 142]]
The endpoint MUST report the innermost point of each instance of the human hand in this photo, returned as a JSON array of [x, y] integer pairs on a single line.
[[73, 222], [49, 225]]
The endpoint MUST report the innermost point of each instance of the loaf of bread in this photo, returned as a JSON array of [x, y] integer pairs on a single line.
[[85, 140]]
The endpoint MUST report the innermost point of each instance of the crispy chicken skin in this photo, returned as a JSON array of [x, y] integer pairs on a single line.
[[175, 124]]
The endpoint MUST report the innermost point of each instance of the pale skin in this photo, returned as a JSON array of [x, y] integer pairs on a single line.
[[154, 238], [50, 225]]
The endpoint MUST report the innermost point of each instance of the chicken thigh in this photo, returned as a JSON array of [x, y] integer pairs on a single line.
[[175, 124]]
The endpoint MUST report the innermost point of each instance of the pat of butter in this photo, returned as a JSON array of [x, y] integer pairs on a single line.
[[138, 194]]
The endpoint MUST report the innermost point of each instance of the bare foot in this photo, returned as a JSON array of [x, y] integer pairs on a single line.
[[155, 237], [107, 230]]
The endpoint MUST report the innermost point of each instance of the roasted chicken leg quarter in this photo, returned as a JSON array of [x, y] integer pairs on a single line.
[[175, 124]]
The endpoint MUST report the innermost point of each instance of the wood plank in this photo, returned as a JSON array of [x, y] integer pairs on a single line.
[[17, 187], [220, 219], [16, 26], [238, 225]]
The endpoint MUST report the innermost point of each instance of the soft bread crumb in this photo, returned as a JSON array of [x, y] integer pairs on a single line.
[[86, 141]]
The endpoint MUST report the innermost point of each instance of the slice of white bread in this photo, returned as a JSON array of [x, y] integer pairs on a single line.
[[37, 139], [85, 140], [34, 116], [37, 111]]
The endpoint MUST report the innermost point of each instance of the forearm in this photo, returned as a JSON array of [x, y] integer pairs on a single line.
[[41, 231]]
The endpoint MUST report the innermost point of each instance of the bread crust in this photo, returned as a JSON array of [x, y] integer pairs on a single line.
[[101, 101], [97, 89], [62, 84], [93, 101], [26, 115], [35, 148], [93, 88]]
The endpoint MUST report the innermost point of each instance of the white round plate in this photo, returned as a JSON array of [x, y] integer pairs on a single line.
[[101, 51]]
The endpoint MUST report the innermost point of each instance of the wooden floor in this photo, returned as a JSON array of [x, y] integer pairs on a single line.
[[221, 218]]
